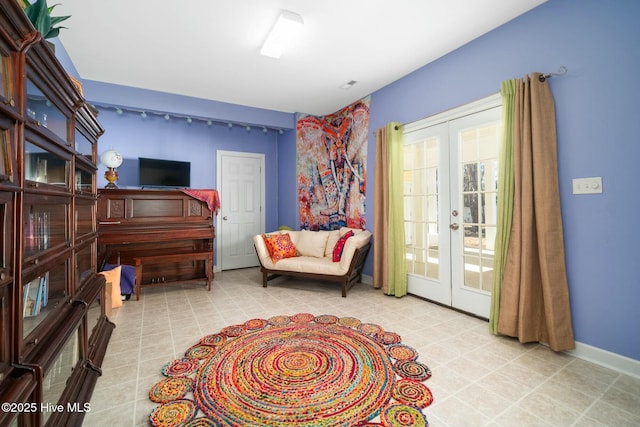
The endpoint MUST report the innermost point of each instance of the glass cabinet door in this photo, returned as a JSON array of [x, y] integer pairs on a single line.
[[45, 224], [7, 154], [84, 217], [7, 88], [84, 181], [41, 295], [84, 147], [94, 314], [42, 166], [55, 379], [42, 112], [6, 281], [7, 329], [85, 264], [6, 236]]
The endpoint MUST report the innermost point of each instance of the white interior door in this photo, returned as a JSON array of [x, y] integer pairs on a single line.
[[451, 173], [241, 187]]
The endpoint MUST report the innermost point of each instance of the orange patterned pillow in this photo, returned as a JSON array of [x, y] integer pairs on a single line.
[[279, 246]]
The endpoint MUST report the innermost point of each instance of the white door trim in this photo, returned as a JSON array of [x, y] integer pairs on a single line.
[[219, 155], [449, 289]]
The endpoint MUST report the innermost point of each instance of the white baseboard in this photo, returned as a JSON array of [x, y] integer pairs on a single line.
[[617, 362]]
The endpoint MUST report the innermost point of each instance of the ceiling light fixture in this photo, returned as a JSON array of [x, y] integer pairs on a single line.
[[284, 30], [189, 119]]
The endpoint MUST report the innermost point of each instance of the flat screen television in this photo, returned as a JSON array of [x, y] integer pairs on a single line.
[[163, 173]]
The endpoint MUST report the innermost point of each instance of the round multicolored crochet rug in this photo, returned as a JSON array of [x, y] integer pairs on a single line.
[[174, 413], [172, 388], [302, 370]]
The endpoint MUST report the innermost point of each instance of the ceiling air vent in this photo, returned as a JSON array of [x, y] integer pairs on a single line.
[[348, 84]]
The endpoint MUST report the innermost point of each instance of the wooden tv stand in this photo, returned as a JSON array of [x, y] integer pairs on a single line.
[[166, 234]]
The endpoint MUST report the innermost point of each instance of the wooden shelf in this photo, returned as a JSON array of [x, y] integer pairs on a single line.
[[50, 351]]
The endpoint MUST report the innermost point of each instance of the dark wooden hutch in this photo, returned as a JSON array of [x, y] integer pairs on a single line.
[[54, 328]]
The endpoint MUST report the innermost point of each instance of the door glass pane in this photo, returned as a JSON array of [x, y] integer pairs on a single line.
[[479, 166], [421, 207]]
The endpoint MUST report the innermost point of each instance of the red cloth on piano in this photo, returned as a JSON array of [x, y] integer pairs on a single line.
[[210, 197]]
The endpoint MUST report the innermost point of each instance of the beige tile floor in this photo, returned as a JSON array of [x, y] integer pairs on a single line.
[[478, 379]]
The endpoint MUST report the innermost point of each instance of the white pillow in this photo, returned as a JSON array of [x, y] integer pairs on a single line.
[[312, 243], [345, 230], [334, 236]]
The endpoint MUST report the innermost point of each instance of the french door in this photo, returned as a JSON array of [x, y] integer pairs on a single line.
[[450, 195]]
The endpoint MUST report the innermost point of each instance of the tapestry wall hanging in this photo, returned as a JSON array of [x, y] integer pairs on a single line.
[[331, 168]]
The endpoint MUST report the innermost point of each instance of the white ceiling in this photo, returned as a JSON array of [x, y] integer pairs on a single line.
[[210, 48]]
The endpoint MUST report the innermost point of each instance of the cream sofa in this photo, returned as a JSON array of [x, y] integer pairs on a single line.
[[314, 257]]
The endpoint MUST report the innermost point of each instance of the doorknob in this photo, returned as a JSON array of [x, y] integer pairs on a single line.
[[454, 226], [225, 218]]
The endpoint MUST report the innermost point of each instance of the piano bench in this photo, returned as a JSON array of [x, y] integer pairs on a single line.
[[140, 261]]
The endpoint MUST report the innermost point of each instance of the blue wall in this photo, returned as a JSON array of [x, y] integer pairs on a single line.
[[597, 126], [175, 139]]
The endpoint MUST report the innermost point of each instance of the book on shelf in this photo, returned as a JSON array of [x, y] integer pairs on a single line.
[[37, 229], [25, 296], [37, 305], [30, 298], [45, 289]]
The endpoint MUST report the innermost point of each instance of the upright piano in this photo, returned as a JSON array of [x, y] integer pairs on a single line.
[[169, 232]]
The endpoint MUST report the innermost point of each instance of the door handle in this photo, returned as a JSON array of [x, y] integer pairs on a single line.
[[225, 218], [454, 226]]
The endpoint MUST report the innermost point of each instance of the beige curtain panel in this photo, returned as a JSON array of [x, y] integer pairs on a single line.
[[381, 213], [534, 299]]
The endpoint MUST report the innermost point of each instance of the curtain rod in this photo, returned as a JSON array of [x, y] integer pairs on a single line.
[[561, 71]]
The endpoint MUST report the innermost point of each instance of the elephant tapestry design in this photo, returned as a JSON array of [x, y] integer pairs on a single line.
[[331, 168]]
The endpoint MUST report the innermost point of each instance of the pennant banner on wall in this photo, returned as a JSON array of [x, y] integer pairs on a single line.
[[331, 168]]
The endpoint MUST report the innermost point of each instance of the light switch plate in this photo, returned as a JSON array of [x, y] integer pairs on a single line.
[[592, 185]]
